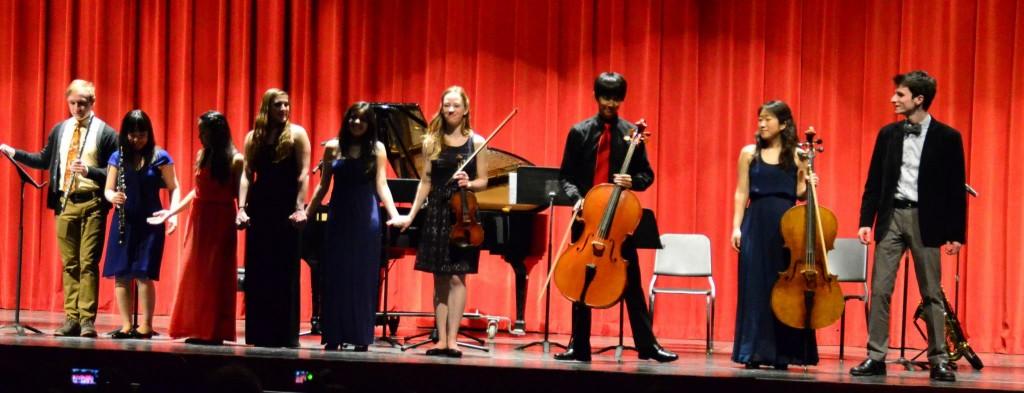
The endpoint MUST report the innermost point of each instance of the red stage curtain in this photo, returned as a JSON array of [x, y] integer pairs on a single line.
[[697, 71]]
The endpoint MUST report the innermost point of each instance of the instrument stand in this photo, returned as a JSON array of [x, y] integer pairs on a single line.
[[908, 364], [18, 327], [384, 311], [620, 347], [545, 343]]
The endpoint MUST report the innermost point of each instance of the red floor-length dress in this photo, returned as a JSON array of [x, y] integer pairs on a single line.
[[205, 306]]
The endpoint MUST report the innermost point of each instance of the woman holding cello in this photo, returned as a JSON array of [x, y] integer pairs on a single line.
[[771, 178], [449, 140], [594, 151]]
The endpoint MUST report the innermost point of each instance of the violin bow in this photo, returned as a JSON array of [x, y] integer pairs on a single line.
[[488, 140]]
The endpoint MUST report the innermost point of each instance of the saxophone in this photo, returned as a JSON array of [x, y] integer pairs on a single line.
[[120, 188], [956, 340]]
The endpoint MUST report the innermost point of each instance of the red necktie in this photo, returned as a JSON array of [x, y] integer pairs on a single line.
[[604, 149]]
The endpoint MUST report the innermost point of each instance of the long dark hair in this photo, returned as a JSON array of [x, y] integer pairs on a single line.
[[787, 136], [218, 148], [367, 142], [137, 121]]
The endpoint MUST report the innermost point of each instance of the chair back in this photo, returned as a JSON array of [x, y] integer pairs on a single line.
[[849, 260], [687, 255]]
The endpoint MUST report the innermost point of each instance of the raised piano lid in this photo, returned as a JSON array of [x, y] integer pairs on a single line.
[[402, 128]]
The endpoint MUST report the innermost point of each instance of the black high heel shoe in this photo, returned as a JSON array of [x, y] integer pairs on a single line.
[[121, 335], [142, 336]]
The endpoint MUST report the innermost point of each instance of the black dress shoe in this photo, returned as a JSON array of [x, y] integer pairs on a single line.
[[943, 372], [869, 367], [573, 354], [437, 352], [658, 353], [453, 353]]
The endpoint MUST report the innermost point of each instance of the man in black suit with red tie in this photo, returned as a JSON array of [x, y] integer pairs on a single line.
[[915, 197], [594, 150]]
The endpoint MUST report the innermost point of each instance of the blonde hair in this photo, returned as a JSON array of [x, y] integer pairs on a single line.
[[437, 126], [82, 86], [283, 145]]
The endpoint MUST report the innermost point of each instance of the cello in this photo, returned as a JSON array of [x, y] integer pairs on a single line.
[[806, 295], [591, 270]]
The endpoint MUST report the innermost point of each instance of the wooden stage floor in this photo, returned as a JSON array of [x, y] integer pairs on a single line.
[[44, 363]]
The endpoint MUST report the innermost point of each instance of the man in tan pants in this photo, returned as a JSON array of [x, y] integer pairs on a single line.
[[76, 154]]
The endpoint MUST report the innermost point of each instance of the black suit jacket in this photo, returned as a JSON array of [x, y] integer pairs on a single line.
[[580, 155], [942, 199], [49, 158]]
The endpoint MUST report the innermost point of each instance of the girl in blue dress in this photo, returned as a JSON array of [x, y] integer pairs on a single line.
[[771, 179], [357, 164], [134, 247]]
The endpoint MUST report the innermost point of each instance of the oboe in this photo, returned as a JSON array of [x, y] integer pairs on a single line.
[[120, 188]]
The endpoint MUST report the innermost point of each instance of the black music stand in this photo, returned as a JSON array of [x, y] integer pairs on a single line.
[[18, 327], [646, 236], [538, 185]]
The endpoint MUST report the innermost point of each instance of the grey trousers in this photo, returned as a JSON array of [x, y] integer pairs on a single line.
[[904, 232]]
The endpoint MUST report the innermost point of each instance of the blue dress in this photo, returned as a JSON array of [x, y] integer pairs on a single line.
[[351, 266], [143, 248], [760, 337]]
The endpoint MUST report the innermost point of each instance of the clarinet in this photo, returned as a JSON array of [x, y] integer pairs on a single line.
[[120, 188]]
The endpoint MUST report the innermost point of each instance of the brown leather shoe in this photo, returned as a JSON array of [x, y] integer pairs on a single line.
[[88, 329], [69, 328]]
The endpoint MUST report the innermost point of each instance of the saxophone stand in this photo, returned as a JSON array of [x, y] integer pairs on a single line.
[[551, 187], [18, 327], [645, 236], [908, 364]]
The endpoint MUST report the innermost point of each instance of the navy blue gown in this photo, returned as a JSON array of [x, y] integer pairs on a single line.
[[351, 266], [760, 337], [140, 255]]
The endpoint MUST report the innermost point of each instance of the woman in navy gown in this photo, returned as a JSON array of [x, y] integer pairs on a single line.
[[771, 178], [357, 163], [136, 255]]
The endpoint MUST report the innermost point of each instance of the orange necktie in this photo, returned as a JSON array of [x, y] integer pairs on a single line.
[[76, 137]]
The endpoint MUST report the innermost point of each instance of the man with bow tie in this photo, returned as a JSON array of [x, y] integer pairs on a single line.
[[915, 198], [76, 154]]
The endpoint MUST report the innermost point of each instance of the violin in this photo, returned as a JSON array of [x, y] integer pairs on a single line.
[[806, 295], [466, 230], [591, 270]]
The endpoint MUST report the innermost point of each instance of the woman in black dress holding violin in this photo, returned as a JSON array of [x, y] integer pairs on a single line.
[[449, 140]]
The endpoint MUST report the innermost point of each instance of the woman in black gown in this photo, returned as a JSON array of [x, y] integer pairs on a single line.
[[449, 140], [771, 178], [272, 209]]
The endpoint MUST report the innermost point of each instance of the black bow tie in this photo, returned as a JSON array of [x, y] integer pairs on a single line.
[[912, 129]]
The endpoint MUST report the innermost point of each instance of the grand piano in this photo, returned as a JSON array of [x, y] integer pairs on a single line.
[[512, 230]]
